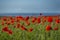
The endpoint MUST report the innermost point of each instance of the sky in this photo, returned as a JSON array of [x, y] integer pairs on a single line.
[[29, 6]]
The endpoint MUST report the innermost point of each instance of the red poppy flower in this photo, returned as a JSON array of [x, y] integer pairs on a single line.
[[26, 18], [2, 23], [31, 29], [11, 17], [49, 19], [12, 22], [57, 21], [17, 20], [20, 17], [10, 32], [55, 28], [38, 20], [48, 28], [23, 28], [18, 25], [5, 29], [8, 23], [33, 19], [27, 23], [4, 18]]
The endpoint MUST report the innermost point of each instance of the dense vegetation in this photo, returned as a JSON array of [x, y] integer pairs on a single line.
[[30, 28]]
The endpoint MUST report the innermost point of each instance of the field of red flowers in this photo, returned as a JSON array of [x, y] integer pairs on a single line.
[[30, 28]]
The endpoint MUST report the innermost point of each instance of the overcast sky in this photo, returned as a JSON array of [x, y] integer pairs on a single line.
[[29, 6]]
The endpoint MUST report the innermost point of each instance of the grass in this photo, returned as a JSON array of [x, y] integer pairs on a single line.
[[39, 32]]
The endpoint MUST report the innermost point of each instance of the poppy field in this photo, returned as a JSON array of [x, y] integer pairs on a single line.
[[30, 28]]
